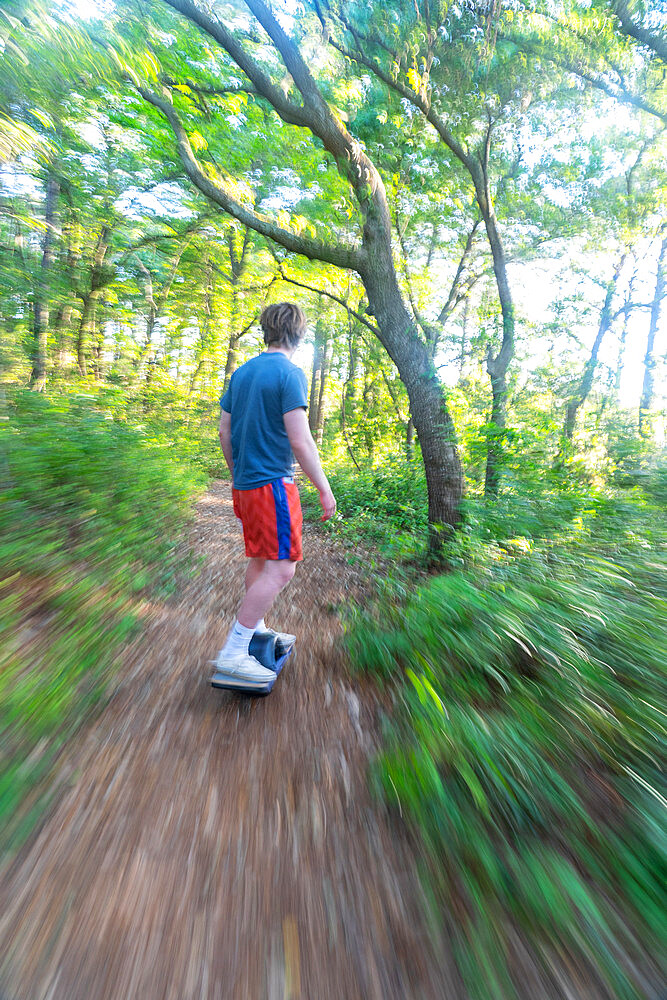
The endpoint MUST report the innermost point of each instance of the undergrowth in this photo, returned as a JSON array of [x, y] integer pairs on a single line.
[[525, 747], [90, 516]]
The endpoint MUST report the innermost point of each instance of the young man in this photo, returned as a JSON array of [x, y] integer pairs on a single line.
[[263, 426]]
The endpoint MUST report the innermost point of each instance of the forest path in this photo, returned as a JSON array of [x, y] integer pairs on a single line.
[[212, 846]]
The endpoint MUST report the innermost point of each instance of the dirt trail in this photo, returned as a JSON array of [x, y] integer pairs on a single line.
[[217, 847]]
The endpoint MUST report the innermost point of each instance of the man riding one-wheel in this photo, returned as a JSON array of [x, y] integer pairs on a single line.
[[263, 427]]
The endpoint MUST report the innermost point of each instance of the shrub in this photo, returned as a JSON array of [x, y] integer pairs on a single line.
[[524, 750], [90, 514]]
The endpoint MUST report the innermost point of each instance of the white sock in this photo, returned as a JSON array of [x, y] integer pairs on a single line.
[[260, 626], [238, 640]]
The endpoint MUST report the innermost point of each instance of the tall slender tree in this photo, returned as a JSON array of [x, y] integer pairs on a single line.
[[650, 361]]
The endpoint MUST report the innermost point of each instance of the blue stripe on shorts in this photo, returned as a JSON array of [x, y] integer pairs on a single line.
[[283, 520]]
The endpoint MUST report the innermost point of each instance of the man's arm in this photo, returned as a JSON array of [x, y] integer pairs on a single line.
[[305, 452], [225, 435]]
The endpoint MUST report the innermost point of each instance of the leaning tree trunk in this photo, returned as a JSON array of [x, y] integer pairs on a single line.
[[41, 300], [315, 395], [428, 407], [646, 400], [372, 260], [581, 395]]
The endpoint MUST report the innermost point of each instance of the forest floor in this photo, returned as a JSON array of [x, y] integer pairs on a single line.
[[203, 844]]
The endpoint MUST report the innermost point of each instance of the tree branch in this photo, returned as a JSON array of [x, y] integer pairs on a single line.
[[453, 298], [314, 114], [206, 89], [329, 295], [642, 35], [353, 163], [617, 91], [288, 110], [420, 101], [339, 255]]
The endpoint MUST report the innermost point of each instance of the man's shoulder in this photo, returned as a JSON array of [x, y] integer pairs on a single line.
[[293, 370], [275, 368], [247, 364]]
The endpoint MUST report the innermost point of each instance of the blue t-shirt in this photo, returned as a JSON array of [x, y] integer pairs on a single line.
[[259, 392]]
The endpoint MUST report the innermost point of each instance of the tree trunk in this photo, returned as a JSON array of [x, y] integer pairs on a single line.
[[87, 321], [344, 431], [373, 260], [60, 329], [496, 433], [324, 375], [41, 300], [85, 326], [206, 327], [232, 361], [623, 337], [464, 335], [98, 344], [580, 396], [351, 381], [410, 440], [237, 258], [315, 396], [497, 366], [646, 400], [428, 407]]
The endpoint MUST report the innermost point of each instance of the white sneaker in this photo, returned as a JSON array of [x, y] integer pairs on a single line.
[[242, 671]]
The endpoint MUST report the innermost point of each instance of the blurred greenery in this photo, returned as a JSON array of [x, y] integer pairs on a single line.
[[526, 743], [91, 511], [526, 671]]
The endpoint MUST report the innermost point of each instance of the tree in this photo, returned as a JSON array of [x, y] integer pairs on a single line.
[[583, 388], [41, 296], [655, 41], [646, 400], [414, 65], [371, 258]]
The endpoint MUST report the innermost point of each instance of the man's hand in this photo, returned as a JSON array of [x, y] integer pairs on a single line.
[[328, 501]]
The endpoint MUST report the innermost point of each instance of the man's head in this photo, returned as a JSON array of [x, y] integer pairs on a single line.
[[283, 325]]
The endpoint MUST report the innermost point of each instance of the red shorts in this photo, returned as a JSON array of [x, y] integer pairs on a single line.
[[271, 518]]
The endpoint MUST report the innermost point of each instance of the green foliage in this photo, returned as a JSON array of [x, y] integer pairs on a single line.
[[524, 746], [90, 515], [376, 505], [526, 743]]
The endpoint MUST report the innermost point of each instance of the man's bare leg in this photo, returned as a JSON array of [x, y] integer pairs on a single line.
[[265, 578], [264, 589], [253, 569]]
